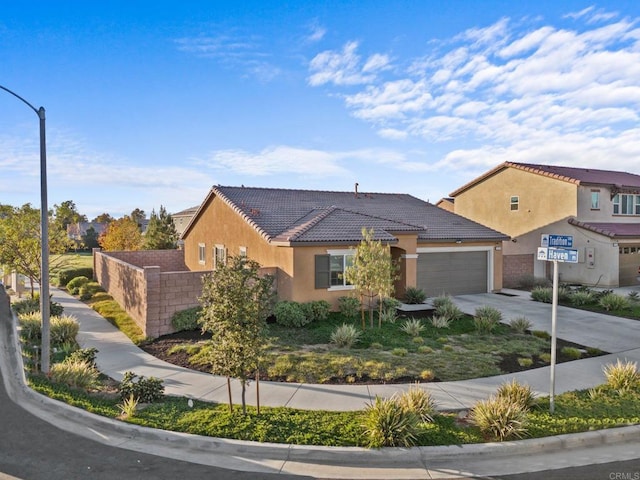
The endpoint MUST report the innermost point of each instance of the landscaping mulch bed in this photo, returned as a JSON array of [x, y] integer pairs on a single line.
[[160, 348]]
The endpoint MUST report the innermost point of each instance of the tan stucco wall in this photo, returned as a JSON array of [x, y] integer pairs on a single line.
[[221, 225], [542, 200]]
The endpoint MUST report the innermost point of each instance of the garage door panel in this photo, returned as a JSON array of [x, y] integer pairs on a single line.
[[454, 273], [628, 265]]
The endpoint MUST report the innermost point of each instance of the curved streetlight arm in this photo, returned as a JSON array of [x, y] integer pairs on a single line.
[[45, 308]]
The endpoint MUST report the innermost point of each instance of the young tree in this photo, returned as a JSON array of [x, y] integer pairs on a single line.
[[236, 301], [20, 247], [121, 234], [161, 232], [371, 272]]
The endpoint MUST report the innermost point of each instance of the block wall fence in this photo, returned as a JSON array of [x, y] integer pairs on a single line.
[[150, 285], [515, 268]]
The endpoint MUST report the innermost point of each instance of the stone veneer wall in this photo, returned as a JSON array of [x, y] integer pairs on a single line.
[[151, 285], [515, 268]]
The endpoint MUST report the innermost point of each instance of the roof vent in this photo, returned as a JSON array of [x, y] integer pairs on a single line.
[[356, 190]]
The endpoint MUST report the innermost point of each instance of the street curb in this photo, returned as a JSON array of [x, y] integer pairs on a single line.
[[337, 462]]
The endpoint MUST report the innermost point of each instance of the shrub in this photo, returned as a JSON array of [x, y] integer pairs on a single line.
[[425, 349], [427, 375], [528, 282], [582, 297], [418, 401], [571, 352], [541, 334], [345, 336], [417, 340], [412, 326], [442, 300], [32, 304], [520, 325], [440, 321], [387, 424], [75, 373], [622, 376], [376, 346], [499, 418], [542, 294], [400, 352], [316, 311], [73, 287], [87, 355], [128, 407], [414, 295], [633, 296], [525, 362], [389, 310], [545, 357], [188, 319], [486, 319], [613, 302], [88, 290], [64, 330], [349, 307], [65, 276], [290, 314], [30, 327], [144, 390], [449, 310], [517, 393]]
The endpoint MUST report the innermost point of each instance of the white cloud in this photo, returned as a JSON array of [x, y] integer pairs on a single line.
[[317, 33], [345, 67], [277, 159], [513, 90]]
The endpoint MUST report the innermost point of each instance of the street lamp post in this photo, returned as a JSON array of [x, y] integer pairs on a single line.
[[44, 234]]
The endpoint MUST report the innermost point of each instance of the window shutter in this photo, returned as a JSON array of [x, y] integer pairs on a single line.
[[322, 271]]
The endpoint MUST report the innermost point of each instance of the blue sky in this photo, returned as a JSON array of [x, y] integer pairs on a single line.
[[152, 103]]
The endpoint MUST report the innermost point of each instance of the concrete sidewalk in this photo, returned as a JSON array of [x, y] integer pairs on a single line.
[[117, 355]]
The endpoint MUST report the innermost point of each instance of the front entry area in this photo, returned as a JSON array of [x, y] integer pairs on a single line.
[[453, 272]]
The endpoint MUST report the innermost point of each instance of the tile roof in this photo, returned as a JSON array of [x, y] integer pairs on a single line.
[[612, 230], [311, 216], [587, 176]]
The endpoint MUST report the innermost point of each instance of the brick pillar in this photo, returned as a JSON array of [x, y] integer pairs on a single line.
[[152, 301]]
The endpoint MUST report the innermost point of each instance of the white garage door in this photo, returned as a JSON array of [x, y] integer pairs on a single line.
[[453, 273]]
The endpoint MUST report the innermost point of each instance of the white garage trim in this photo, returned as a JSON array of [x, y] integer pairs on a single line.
[[488, 249]]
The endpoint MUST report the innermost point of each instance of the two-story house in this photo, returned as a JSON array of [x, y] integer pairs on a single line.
[[308, 238], [599, 208]]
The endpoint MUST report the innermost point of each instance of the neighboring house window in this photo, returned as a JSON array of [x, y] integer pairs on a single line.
[[243, 251], [595, 199], [219, 255], [201, 254], [624, 204], [515, 201], [329, 269]]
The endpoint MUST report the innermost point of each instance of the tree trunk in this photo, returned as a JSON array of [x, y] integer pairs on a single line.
[[258, 390], [244, 391], [229, 392]]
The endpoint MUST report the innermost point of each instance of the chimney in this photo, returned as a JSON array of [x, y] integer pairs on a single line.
[[356, 190]]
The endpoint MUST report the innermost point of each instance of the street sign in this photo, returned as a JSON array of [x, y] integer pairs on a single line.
[[564, 241], [565, 255]]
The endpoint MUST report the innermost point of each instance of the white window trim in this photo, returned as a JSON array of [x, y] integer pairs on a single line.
[[336, 252], [242, 251], [202, 248], [489, 249]]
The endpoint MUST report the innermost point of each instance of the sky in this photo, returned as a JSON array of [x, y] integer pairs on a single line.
[[151, 103]]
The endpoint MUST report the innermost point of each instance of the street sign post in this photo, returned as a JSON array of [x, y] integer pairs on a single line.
[[555, 248]]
